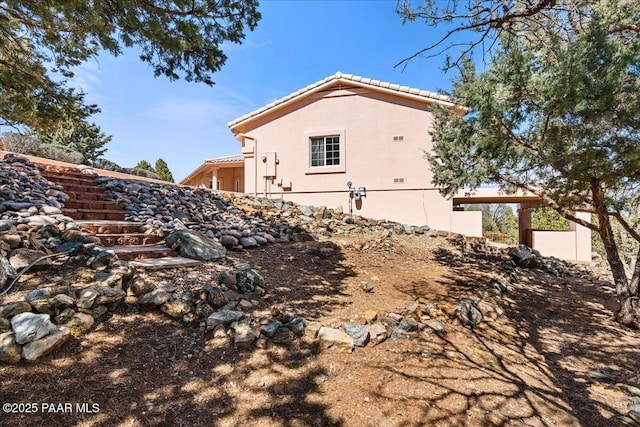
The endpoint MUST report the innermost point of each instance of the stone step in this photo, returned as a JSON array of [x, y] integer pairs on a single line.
[[65, 180], [84, 195], [94, 214], [81, 204], [165, 262], [131, 253], [110, 227], [128, 239], [82, 188]]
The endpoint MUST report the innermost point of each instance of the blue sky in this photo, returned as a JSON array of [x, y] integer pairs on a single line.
[[295, 44]]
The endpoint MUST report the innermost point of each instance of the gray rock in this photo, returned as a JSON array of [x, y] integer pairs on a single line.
[[195, 245], [358, 333], [5, 325], [41, 221], [408, 324], [216, 297], [109, 295], [260, 240], [87, 297], [50, 210], [248, 242], [223, 317], [110, 279], [61, 301], [270, 328], [98, 311], [377, 333], [7, 272], [468, 313], [42, 306], [306, 210], [9, 310], [22, 258], [203, 309], [337, 338], [35, 349], [79, 323], [141, 284], [297, 326], [435, 325], [64, 316], [229, 240], [489, 310], [176, 308], [30, 327], [255, 278], [37, 294], [244, 335], [10, 351], [228, 277], [312, 328], [155, 297]]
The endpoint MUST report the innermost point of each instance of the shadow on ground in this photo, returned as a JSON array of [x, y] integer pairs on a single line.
[[144, 369], [553, 358]]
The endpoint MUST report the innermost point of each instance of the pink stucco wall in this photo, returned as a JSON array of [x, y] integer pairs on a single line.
[[395, 173]]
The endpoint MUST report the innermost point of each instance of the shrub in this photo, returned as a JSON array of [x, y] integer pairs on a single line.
[[18, 143], [60, 153], [107, 164], [141, 172]]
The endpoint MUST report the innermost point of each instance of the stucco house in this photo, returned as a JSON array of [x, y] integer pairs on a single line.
[[222, 173], [309, 145], [353, 142]]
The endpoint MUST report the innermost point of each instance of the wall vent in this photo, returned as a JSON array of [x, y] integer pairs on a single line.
[[398, 180], [398, 138]]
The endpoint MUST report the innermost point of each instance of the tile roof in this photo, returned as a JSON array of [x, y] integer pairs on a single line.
[[427, 96], [226, 159]]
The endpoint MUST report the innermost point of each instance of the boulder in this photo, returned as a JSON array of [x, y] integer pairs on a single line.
[[358, 333], [176, 308], [11, 309], [35, 349], [216, 297], [468, 313], [244, 335], [229, 240], [141, 284], [79, 323], [297, 326], [337, 338], [195, 245], [22, 258], [7, 272], [155, 297], [30, 327], [5, 325], [10, 351], [61, 301], [270, 328], [377, 333], [223, 317]]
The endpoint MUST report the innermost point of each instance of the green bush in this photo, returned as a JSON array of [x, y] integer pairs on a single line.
[[106, 164], [141, 172], [60, 153]]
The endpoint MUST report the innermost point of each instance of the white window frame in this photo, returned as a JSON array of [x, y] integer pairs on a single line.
[[340, 167]]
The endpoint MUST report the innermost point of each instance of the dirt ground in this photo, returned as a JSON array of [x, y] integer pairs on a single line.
[[533, 366]]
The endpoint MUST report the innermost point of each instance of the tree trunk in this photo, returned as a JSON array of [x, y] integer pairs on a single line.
[[629, 313]]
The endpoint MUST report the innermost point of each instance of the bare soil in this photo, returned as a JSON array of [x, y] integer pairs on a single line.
[[530, 367]]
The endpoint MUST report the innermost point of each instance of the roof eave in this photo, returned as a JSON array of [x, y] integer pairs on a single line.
[[296, 96]]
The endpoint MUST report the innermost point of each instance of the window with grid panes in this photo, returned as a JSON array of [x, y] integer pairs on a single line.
[[325, 151]]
